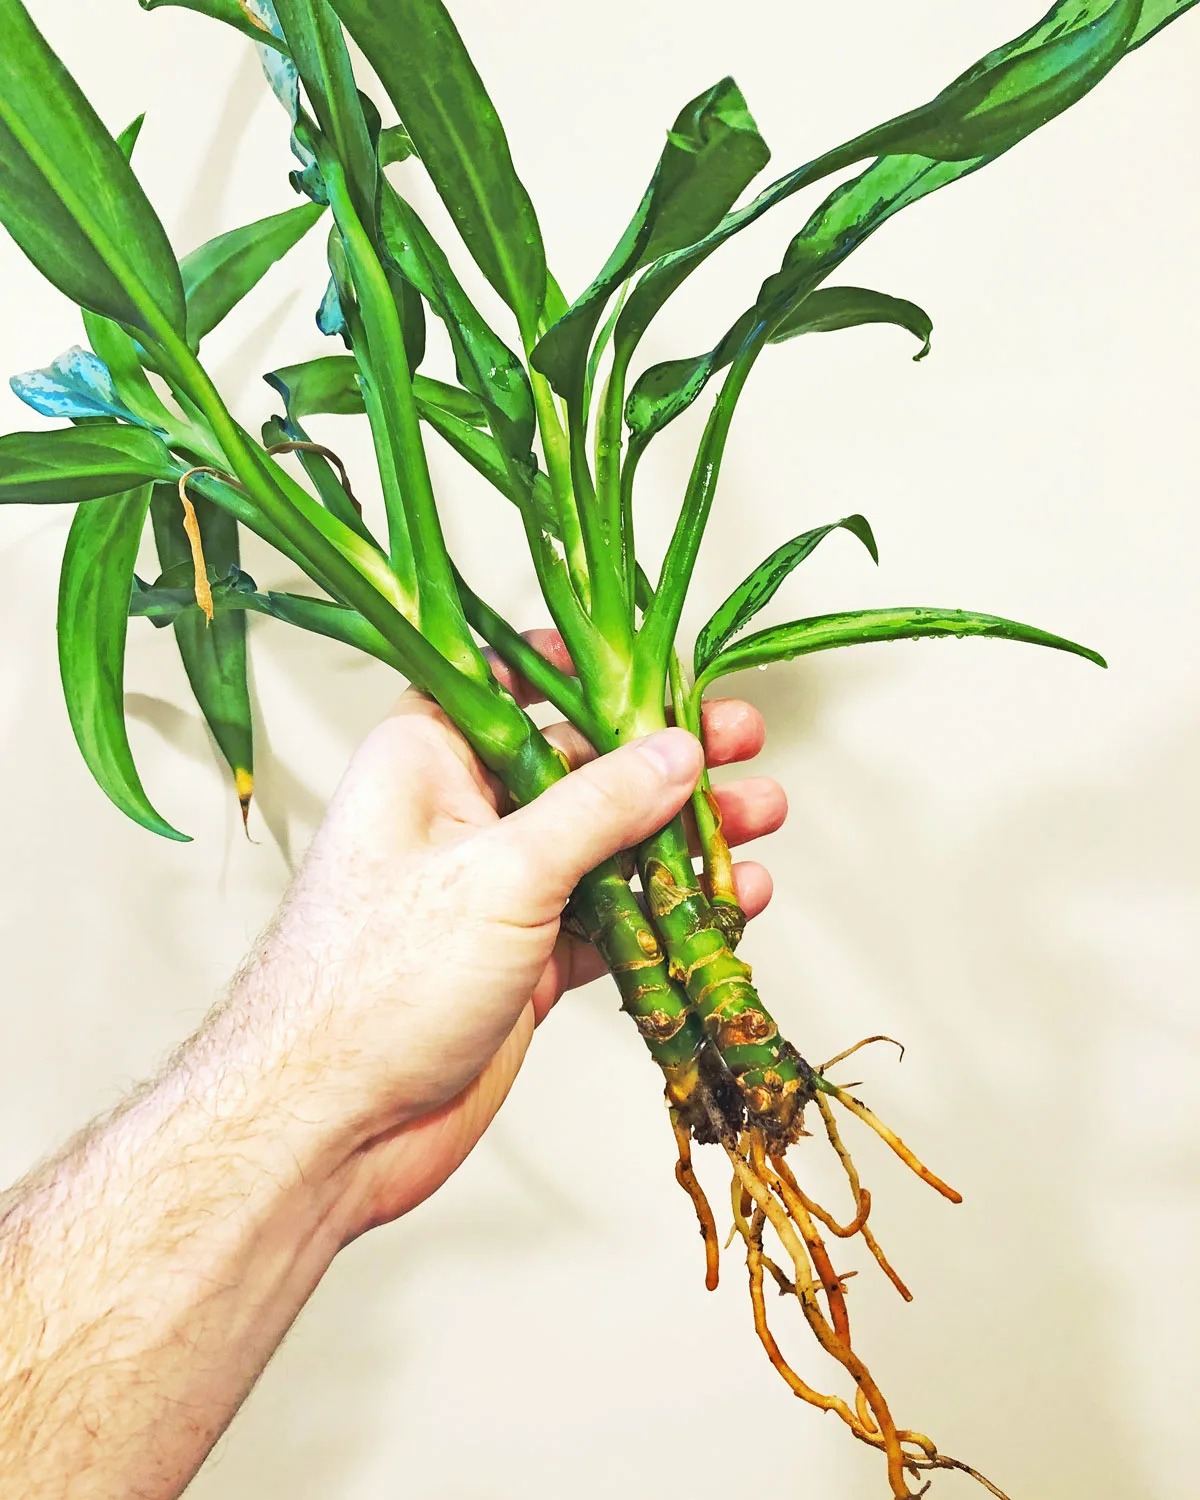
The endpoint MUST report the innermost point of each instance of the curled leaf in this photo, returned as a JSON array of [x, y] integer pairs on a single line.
[[666, 390], [243, 15], [758, 589], [191, 528], [713, 150]]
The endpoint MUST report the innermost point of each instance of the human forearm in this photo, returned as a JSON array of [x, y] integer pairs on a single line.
[[148, 1273], [146, 1276]]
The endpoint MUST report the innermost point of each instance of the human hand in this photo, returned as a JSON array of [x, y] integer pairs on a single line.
[[394, 998]]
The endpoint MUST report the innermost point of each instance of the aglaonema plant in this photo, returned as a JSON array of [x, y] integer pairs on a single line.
[[556, 418]]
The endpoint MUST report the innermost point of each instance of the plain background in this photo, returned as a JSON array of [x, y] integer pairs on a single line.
[[991, 852]]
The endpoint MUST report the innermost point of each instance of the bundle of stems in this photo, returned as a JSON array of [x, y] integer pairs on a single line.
[[557, 420]]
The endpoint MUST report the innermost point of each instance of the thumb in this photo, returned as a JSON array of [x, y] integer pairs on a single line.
[[607, 805]]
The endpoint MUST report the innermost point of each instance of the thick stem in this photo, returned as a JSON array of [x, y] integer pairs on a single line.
[[661, 620], [606, 911], [608, 602], [439, 612], [775, 1081], [564, 692]]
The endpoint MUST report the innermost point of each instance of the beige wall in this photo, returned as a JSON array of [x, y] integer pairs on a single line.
[[991, 854]]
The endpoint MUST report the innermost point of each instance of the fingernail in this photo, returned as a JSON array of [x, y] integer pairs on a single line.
[[674, 753]]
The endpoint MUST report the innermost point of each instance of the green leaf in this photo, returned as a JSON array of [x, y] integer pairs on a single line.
[[164, 604], [395, 144], [231, 12], [451, 399], [666, 390], [760, 587], [324, 617], [214, 655], [220, 273], [329, 384], [93, 601], [825, 632], [69, 197], [485, 365], [318, 48], [128, 138], [79, 463], [713, 150], [981, 111], [1002, 99], [420, 59], [1155, 15]]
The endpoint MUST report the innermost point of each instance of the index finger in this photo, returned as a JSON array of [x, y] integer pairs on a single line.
[[548, 644]]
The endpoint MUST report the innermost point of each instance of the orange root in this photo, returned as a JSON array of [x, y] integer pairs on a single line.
[[890, 1138], [685, 1176]]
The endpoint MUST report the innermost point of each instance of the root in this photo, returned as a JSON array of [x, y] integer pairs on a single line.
[[765, 1190], [943, 1461], [858, 1046], [890, 1138], [686, 1178]]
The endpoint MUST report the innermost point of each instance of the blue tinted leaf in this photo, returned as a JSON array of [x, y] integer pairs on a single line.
[[76, 384]]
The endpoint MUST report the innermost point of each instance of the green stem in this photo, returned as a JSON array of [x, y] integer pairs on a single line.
[[558, 466], [589, 651], [609, 431], [439, 612], [400, 553], [565, 693], [661, 620], [608, 607], [714, 847], [495, 734]]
